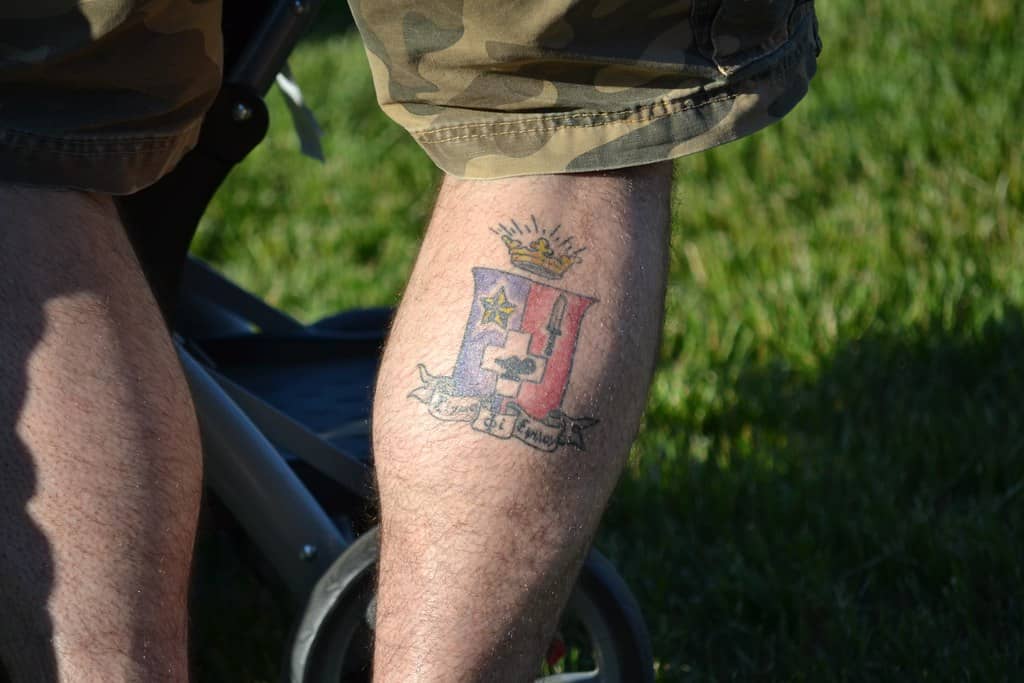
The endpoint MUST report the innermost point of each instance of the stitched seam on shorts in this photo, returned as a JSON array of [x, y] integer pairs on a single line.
[[794, 25], [556, 121], [789, 48], [90, 146]]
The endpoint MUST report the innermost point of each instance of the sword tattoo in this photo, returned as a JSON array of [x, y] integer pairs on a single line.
[[554, 327]]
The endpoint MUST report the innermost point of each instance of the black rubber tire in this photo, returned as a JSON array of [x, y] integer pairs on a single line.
[[318, 653]]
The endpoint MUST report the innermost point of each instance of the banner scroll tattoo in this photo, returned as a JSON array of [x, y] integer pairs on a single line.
[[556, 430]]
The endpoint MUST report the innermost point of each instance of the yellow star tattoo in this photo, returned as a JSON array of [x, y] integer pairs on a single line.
[[497, 309]]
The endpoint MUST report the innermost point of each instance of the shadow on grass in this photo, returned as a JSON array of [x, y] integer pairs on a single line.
[[864, 519], [859, 521], [241, 615]]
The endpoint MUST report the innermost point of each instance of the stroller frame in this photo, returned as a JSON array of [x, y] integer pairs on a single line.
[[243, 436]]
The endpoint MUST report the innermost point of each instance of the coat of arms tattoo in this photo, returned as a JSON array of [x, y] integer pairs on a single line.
[[517, 352]]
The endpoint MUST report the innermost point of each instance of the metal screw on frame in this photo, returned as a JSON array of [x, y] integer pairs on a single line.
[[308, 552], [241, 112]]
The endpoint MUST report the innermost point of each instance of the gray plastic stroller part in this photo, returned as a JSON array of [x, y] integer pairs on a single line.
[[229, 302], [247, 473], [286, 433]]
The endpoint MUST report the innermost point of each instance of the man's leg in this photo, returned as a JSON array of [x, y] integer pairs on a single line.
[[99, 453], [492, 481]]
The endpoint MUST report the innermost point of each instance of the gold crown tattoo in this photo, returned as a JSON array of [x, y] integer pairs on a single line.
[[539, 250]]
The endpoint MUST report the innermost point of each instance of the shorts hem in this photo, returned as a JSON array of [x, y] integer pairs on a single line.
[[114, 164], [687, 121]]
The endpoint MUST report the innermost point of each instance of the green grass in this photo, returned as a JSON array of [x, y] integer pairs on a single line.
[[827, 483]]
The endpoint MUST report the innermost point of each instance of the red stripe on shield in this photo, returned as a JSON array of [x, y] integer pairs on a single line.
[[552, 318]]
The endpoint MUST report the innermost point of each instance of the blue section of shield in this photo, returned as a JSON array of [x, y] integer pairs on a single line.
[[469, 378]]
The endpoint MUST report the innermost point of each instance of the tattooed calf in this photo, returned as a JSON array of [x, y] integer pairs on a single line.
[[517, 352]]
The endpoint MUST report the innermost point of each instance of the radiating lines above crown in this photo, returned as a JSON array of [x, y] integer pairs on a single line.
[[539, 250]]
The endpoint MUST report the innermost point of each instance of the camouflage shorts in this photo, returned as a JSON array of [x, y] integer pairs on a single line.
[[107, 95]]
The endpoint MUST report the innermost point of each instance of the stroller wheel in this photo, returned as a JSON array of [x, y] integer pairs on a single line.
[[600, 637]]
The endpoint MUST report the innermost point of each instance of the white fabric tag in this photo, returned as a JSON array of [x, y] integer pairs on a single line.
[[305, 123]]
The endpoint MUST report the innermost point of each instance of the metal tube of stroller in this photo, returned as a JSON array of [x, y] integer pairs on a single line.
[[247, 473], [265, 53]]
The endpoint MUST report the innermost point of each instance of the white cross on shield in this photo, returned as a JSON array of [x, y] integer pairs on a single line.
[[513, 363]]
